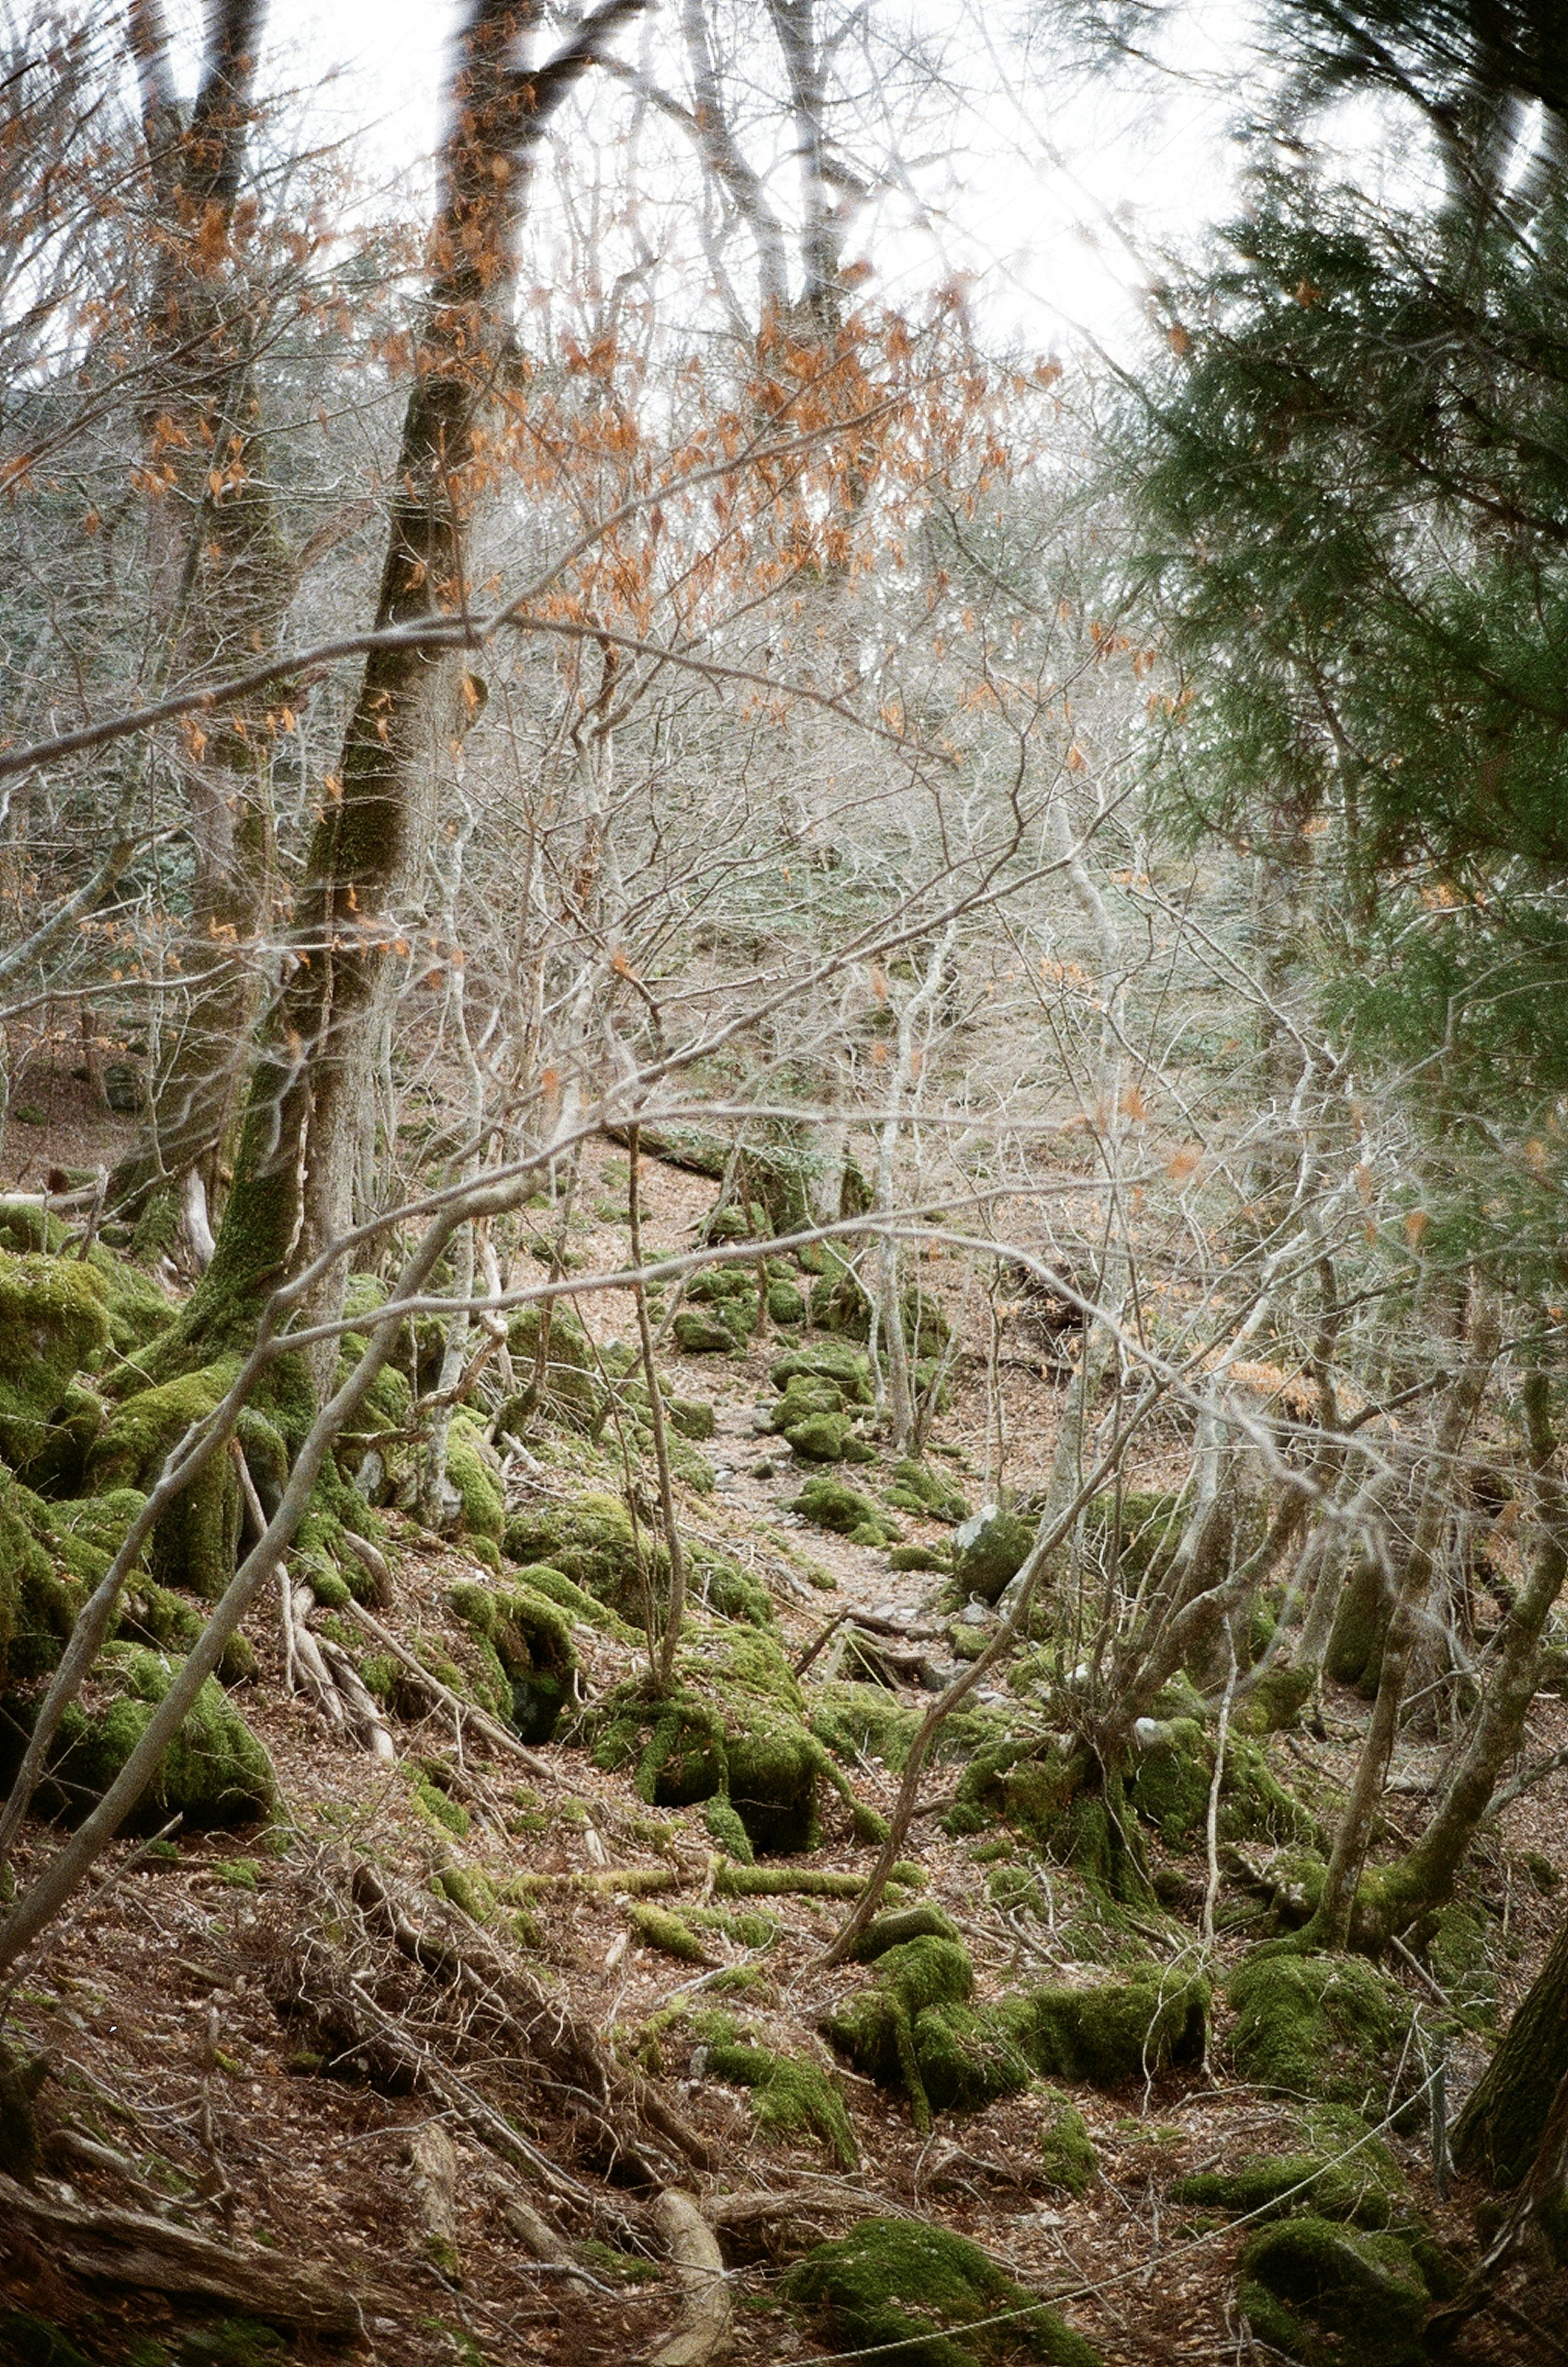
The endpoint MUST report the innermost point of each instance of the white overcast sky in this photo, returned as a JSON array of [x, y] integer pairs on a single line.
[[1057, 200]]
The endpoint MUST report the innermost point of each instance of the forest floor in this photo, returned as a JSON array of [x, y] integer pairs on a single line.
[[165, 2002]]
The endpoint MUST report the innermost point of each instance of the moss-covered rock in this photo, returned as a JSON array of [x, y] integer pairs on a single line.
[[733, 1728], [923, 1921], [922, 2294], [1067, 2156], [1274, 1701], [535, 1659], [592, 1541], [215, 1773], [560, 1379], [54, 1325], [792, 2099], [194, 1545], [692, 1417], [915, 2030], [1173, 1775], [1339, 2170], [828, 1438], [827, 1360], [1322, 2026], [699, 1333], [25, 1227], [928, 1494], [137, 1310], [834, 1505], [473, 1472], [786, 1303], [990, 1549], [42, 1584], [1334, 2296], [1121, 2030]]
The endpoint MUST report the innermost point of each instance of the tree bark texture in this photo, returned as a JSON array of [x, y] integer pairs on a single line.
[[293, 1171]]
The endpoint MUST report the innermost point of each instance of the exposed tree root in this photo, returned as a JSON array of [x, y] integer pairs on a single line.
[[693, 2249], [129, 2248]]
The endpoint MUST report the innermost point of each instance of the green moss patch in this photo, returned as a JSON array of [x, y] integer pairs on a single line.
[[1171, 1781], [934, 2295], [1340, 2170], [833, 1504], [1321, 2026], [1118, 2032], [590, 1541], [928, 1494], [792, 2099], [534, 1660], [734, 1728], [54, 1325], [215, 1773], [915, 2029], [555, 1359], [991, 1549], [1066, 2151], [1334, 2296]]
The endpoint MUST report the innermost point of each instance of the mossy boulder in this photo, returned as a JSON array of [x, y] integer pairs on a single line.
[[928, 1494], [727, 1296], [733, 1728], [534, 1660], [215, 1773], [1331, 2295], [922, 1921], [194, 1545], [1336, 2170], [692, 1417], [57, 1457], [833, 1504], [136, 1307], [1317, 2026], [698, 1333], [792, 2099], [1118, 2032], [54, 1325], [844, 1368], [915, 2028], [591, 1540], [990, 1549], [26, 1226], [786, 1303], [922, 2294], [39, 1599], [472, 1471], [1274, 1701], [1067, 2156], [1173, 1775], [828, 1438]]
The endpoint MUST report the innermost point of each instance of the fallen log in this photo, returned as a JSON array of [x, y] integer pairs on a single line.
[[130, 2248]]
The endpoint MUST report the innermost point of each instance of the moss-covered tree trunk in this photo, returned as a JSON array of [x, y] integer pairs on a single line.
[[291, 1190], [1498, 2133], [220, 580]]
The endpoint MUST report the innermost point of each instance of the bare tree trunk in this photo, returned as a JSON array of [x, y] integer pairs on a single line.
[[292, 1179], [1330, 1926], [222, 579], [1425, 1878]]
